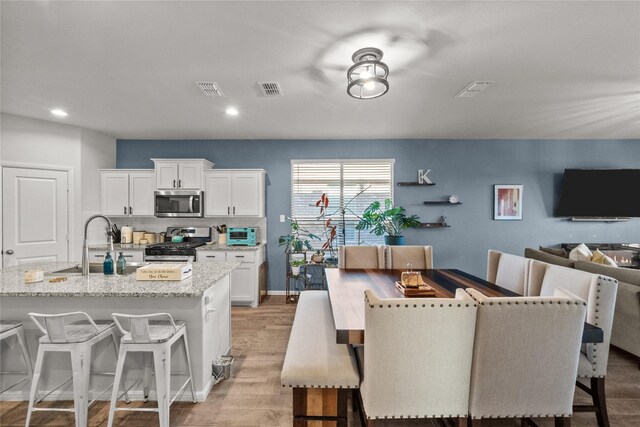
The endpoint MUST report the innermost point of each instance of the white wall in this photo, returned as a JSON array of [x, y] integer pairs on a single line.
[[26, 141], [97, 152]]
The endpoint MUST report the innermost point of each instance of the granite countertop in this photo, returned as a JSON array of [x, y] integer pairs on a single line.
[[219, 247], [205, 275], [118, 247]]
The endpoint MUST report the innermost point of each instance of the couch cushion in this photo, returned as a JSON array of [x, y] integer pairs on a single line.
[[548, 258], [627, 275], [580, 253], [555, 251], [600, 258]]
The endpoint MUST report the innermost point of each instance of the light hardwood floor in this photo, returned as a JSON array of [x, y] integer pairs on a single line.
[[253, 396]]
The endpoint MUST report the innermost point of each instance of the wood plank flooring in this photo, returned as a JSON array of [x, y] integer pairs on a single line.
[[253, 395]]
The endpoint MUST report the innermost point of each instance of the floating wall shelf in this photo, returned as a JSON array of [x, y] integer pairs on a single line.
[[441, 202], [415, 184], [433, 225]]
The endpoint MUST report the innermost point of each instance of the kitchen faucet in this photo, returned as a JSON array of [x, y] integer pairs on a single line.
[[85, 247]]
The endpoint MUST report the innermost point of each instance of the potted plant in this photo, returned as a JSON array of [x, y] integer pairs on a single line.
[[295, 266], [388, 219], [299, 239], [318, 257]]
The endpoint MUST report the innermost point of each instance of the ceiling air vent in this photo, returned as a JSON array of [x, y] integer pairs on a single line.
[[270, 88], [210, 88], [474, 88]]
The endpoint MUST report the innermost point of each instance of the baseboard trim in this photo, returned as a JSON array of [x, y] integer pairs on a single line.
[[276, 292]]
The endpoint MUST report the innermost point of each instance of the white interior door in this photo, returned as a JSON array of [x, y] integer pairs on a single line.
[[35, 216]]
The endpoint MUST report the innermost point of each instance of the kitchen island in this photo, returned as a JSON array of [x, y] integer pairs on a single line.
[[201, 301]]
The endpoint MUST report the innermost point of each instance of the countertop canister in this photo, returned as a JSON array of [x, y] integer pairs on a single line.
[[127, 234]]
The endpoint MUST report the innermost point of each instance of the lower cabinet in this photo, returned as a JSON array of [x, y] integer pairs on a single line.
[[245, 280], [130, 256]]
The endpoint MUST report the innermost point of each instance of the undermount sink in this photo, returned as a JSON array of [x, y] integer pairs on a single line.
[[94, 267]]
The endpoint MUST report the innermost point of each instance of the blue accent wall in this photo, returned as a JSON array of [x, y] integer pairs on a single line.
[[467, 168]]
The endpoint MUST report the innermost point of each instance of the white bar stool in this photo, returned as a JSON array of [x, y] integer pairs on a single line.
[[156, 337], [77, 338], [9, 328]]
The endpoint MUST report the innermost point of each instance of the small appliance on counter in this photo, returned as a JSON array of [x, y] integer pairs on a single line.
[[184, 251], [242, 236]]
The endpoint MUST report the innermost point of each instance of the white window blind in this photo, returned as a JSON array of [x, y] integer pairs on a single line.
[[341, 181]]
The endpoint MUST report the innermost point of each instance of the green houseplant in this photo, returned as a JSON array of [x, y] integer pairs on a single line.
[[299, 239], [389, 219], [295, 266]]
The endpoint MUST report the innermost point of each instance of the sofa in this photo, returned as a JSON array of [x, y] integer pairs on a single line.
[[626, 320]]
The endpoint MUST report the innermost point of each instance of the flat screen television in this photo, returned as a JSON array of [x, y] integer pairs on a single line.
[[600, 193]]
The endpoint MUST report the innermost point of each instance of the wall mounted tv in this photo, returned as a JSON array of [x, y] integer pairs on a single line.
[[609, 193]]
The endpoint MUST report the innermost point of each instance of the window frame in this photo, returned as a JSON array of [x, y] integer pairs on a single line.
[[385, 161]]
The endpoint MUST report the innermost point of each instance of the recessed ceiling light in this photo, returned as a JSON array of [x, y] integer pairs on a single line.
[[231, 111], [58, 112]]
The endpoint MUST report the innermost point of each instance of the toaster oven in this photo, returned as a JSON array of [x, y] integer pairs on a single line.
[[246, 236]]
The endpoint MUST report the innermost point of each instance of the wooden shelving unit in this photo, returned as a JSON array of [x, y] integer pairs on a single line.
[[441, 202], [433, 225], [415, 184]]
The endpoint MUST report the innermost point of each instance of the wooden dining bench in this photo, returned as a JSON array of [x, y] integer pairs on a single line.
[[321, 372]]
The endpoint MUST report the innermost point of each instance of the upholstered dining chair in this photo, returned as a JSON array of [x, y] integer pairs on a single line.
[[416, 358], [416, 257], [361, 257], [508, 271], [525, 356], [600, 294]]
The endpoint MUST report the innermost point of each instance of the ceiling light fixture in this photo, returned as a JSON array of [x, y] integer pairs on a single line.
[[58, 112], [367, 77], [231, 111]]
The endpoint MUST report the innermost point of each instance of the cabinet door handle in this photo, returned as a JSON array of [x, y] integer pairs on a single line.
[[239, 256], [174, 183], [234, 210], [179, 183], [211, 256], [125, 210], [126, 256], [130, 210], [228, 210], [98, 256]]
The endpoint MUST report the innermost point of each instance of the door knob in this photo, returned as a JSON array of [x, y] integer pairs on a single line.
[[9, 252]]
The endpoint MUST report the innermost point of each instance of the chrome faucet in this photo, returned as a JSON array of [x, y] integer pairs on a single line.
[[85, 247]]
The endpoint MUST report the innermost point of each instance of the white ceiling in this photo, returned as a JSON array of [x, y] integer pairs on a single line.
[[127, 69]]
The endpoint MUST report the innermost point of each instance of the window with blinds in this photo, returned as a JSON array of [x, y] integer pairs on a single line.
[[351, 185]]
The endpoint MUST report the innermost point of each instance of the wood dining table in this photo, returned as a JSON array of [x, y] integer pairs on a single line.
[[346, 292]]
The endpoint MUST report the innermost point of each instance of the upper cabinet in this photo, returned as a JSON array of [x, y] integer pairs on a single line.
[[127, 192], [239, 192], [180, 174]]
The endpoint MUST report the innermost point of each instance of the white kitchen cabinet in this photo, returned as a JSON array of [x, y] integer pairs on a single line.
[[180, 174], [245, 280], [235, 192], [127, 192], [130, 256]]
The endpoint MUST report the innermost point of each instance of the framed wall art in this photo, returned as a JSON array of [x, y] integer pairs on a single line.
[[507, 202]]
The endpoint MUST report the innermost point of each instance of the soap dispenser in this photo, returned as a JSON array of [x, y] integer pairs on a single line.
[[107, 265], [121, 265]]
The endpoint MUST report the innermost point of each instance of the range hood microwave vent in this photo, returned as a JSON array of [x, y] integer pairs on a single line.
[[270, 88], [474, 88], [210, 88]]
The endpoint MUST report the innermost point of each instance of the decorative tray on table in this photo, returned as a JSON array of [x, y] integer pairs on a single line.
[[412, 284]]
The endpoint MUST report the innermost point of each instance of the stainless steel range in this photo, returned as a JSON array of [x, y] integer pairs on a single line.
[[184, 251]]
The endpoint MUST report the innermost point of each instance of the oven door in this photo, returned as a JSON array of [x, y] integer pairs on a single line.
[[179, 204]]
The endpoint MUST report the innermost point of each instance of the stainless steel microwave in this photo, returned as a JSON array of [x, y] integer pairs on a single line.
[[179, 204]]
